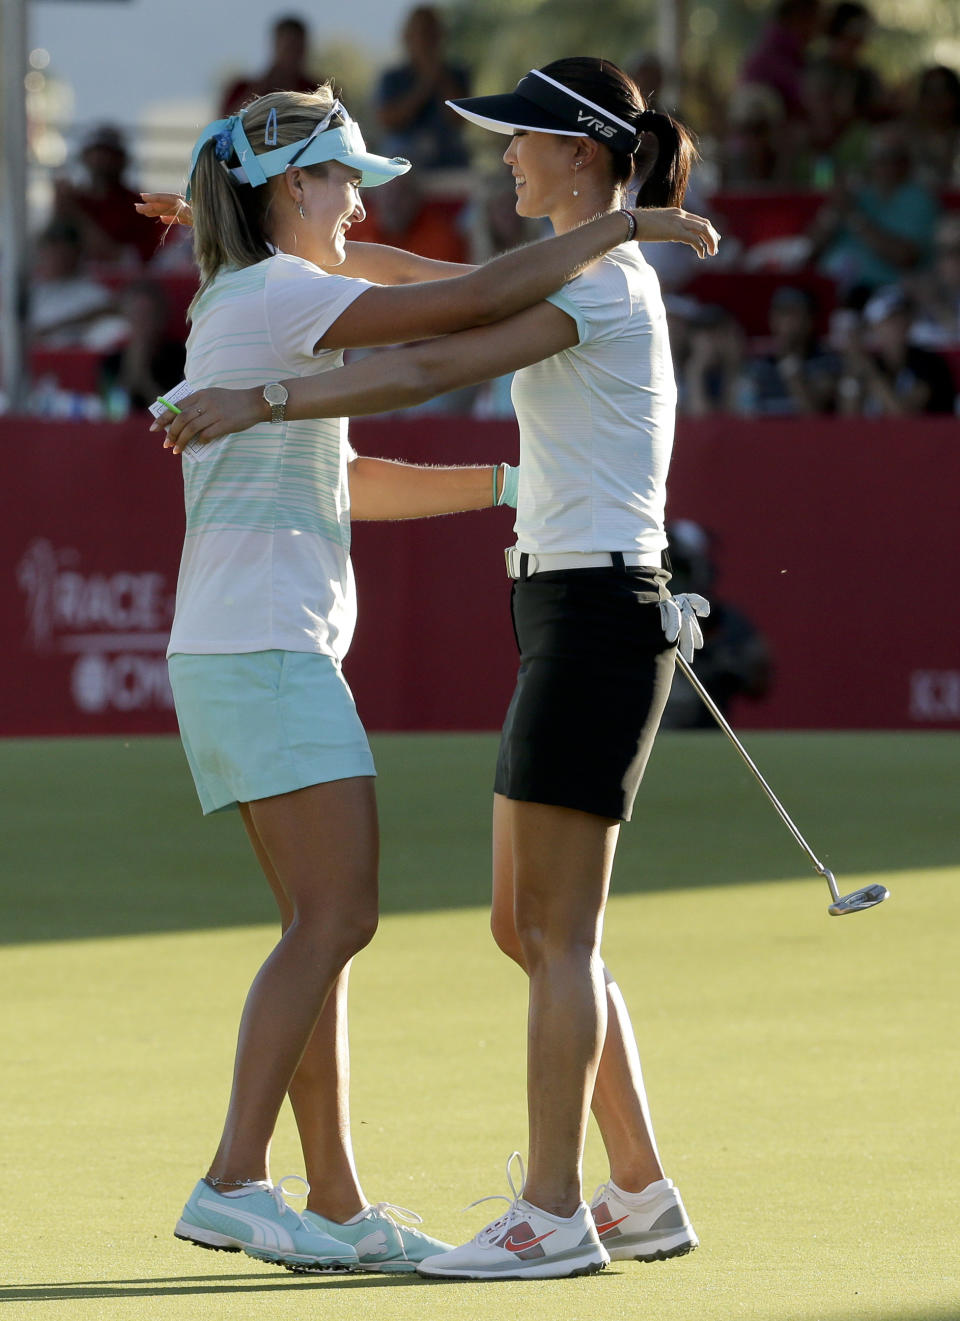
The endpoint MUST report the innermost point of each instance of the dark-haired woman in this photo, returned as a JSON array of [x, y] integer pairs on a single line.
[[265, 610], [595, 398]]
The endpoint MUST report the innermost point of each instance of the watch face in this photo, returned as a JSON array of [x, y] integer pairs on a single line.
[[275, 394]]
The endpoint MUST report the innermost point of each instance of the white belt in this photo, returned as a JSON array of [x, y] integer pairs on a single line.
[[575, 559]]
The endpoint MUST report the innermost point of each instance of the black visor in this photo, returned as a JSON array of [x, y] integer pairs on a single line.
[[542, 105]]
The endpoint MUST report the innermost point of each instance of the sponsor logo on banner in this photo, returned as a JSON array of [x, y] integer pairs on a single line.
[[113, 625]]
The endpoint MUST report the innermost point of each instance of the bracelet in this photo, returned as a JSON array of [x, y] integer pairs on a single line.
[[632, 221], [494, 470]]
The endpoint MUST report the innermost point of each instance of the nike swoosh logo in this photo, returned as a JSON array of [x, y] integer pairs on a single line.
[[509, 1244], [610, 1224]]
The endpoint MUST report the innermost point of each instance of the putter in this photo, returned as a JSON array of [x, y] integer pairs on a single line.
[[855, 902]]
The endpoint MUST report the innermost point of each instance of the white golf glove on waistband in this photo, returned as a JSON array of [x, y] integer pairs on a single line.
[[678, 617]]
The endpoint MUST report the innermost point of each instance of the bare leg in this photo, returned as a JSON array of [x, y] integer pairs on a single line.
[[322, 845], [620, 1101], [619, 1097], [320, 1089], [562, 861]]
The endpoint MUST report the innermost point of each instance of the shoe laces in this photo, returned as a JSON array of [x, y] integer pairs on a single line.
[[277, 1191], [602, 1191], [395, 1212], [512, 1214]]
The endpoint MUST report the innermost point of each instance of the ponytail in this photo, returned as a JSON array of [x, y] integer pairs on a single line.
[[661, 168], [227, 220]]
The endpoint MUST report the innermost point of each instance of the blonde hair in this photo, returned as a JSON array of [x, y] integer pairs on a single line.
[[229, 218]]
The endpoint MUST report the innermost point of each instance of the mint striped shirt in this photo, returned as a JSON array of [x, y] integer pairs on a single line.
[[266, 556]]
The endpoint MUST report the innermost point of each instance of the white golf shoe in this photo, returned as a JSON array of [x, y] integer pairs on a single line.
[[647, 1226], [524, 1243]]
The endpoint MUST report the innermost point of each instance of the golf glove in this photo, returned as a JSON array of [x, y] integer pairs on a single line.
[[678, 617]]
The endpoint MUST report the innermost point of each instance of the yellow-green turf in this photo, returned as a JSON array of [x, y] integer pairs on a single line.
[[802, 1068]]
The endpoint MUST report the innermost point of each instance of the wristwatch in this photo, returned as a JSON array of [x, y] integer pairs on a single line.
[[276, 396]]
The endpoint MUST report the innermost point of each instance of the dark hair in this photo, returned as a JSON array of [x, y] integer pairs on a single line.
[[425, 14], [787, 10], [662, 167], [794, 295], [290, 23], [940, 73], [61, 231], [843, 14]]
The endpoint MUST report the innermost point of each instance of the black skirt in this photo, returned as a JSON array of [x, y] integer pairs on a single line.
[[595, 673]]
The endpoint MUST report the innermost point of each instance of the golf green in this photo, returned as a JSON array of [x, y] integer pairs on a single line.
[[802, 1069]]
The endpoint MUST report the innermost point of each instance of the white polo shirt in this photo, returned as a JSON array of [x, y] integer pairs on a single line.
[[596, 421], [266, 556]]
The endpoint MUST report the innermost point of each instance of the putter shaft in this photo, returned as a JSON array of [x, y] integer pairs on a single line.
[[782, 812], [855, 902]]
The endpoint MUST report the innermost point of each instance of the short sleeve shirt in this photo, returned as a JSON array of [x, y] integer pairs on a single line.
[[266, 556], [596, 421]]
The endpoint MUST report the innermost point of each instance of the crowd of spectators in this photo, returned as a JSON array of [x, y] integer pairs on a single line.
[[838, 194]]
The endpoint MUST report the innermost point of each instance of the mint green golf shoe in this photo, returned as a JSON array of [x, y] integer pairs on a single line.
[[380, 1242], [259, 1221]]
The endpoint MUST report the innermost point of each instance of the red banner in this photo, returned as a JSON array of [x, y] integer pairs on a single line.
[[838, 539]]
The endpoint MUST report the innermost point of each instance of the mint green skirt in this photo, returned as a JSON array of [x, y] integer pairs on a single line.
[[259, 723]]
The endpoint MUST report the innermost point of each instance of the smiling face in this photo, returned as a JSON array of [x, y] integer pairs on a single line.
[[331, 204], [542, 165]]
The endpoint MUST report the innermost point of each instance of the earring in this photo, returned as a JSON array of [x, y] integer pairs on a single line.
[[300, 209], [576, 190]]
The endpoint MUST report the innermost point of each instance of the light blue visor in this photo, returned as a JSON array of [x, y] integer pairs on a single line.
[[344, 144]]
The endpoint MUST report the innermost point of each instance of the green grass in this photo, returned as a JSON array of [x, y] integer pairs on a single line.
[[802, 1069]]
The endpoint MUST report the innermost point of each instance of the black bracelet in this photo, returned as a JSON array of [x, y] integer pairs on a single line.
[[633, 223]]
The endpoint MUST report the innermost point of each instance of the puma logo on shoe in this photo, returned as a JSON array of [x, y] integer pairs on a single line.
[[374, 1245]]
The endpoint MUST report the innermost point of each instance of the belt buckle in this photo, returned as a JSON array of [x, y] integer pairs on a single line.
[[508, 555]]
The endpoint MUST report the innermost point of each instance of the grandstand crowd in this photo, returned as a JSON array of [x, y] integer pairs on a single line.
[[837, 289]]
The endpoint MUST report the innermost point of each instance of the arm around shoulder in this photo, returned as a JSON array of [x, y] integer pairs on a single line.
[[503, 287], [419, 372]]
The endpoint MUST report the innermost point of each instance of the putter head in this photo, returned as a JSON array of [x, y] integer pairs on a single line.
[[858, 900]]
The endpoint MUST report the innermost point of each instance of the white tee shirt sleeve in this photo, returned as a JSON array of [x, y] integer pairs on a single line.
[[302, 303], [596, 304]]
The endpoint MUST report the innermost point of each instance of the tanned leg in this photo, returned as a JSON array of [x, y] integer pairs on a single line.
[[562, 861], [320, 1089], [619, 1097], [322, 845]]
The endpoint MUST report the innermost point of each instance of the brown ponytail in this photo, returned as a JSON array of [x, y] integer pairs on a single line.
[[661, 169]]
